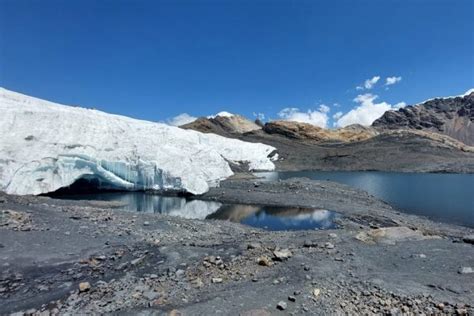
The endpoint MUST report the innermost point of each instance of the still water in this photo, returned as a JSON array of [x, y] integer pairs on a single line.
[[266, 217], [442, 197]]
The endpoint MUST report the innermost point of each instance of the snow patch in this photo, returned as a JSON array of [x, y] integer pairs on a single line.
[[46, 146], [221, 114], [468, 92]]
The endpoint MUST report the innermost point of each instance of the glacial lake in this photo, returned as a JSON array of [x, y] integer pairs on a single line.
[[441, 197], [266, 217]]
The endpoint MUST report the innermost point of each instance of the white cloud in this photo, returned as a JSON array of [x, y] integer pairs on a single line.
[[366, 112], [369, 83], [181, 119], [317, 117], [392, 80]]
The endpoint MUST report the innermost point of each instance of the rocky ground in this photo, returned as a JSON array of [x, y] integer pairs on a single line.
[[402, 151], [70, 257]]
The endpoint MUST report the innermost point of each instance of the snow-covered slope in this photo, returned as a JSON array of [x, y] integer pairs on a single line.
[[46, 146]]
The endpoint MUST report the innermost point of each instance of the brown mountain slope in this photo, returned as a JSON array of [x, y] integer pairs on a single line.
[[227, 125], [305, 131]]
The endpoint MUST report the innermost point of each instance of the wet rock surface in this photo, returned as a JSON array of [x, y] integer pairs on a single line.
[[84, 258]]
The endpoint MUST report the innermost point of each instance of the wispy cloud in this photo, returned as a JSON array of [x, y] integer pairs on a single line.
[[369, 83], [392, 80]]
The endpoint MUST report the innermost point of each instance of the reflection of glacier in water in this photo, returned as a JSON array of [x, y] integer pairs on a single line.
[[267, 217], [149, 203]]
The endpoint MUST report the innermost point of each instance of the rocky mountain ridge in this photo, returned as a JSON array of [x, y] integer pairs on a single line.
[[433, 136], [222, 124], [452, 116]]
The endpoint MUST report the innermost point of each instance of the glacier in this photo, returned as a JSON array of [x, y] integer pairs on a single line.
[[45, 146]]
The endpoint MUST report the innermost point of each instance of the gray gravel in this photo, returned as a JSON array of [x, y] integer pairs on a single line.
[[380, 261]]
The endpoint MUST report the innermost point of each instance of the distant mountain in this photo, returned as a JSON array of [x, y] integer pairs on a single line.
[[223, 123], [434, 136], [452, 116], [305, 131]]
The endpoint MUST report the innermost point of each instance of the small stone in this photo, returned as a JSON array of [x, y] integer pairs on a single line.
[[310, 244], [466, 270], [254, 245], [461, 311], [121, 266], [440, 306], [30, 311], [297, 292], [216, 280], [468, 239], [198, 283], [137, 261], [146, 223], [282, 254], [281, 305], [175, 312], [84, 286], [264, 261], [316, 292], [292, 298], [333, 235], [329, 245]]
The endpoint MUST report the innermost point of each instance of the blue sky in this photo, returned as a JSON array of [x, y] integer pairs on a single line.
[[156, 59]]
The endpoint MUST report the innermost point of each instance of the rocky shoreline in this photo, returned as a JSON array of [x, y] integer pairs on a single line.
[[69, 257]]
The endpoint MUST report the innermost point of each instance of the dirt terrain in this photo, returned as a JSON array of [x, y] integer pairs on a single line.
[[70, 257], [403, 151]]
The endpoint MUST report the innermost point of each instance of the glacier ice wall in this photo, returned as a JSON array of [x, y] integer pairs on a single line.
[[45, 146]]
